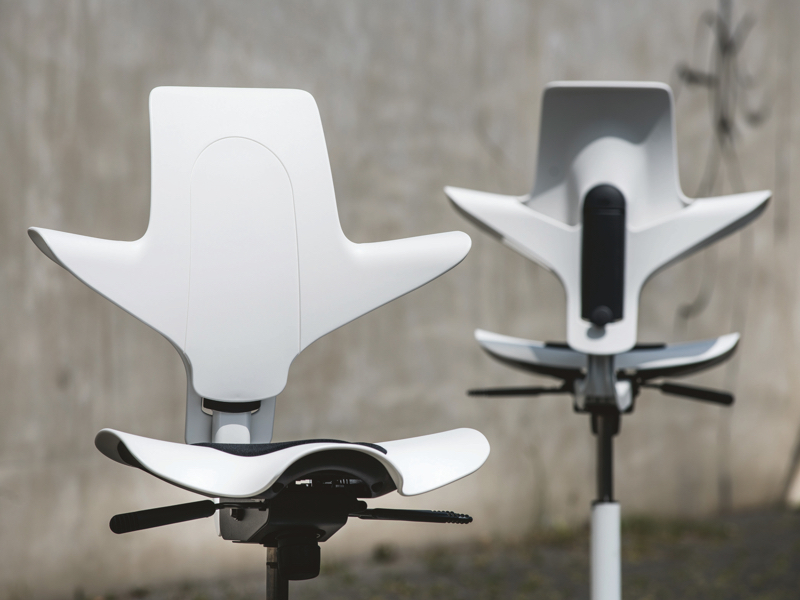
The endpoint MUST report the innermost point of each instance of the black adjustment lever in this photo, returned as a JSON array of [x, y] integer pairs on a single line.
[[418, 516], [520, 391], [168, 515], [165, 515], [696, 393]]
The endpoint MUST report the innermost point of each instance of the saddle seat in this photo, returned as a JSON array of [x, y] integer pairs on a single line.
[[646, 361], [413, 465]]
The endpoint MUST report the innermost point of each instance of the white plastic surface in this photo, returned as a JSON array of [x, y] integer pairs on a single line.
[[244, 291], [677, 355], [529, 351], [244, 262], [670, 356], [606, 552], [230, 428], [417, 465], [607, 133]]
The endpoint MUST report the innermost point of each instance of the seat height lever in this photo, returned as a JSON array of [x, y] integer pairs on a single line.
[[417, 516], [169, 515], [566, 388], [693, 392]]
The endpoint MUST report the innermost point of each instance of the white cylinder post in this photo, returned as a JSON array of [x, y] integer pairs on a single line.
[[230, 428], [606, 546]]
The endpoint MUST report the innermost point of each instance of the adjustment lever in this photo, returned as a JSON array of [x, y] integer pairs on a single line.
[[168, 515], [696, 393], [520, 391], [418, 516]]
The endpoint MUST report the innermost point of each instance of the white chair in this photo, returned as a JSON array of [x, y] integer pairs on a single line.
[[243, 265], [606, 213]]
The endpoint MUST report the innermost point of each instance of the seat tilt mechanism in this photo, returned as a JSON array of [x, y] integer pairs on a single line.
[[567, 387], [290, 525], [609, 382], [179, 513]]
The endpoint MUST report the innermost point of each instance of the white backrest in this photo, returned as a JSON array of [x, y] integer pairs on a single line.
[[620, 134], [244, 262]]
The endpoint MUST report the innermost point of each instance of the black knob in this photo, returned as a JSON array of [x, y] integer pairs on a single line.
[[601, 316]]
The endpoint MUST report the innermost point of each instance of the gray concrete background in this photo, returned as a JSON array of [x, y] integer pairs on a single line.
[[413, 96]]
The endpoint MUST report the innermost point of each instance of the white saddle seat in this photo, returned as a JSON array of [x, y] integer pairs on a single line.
[[415, 465], [648, 361]]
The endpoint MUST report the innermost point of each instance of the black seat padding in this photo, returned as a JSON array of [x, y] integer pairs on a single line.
[[261, 449]]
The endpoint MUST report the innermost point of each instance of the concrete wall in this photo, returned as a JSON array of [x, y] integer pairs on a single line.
[[413, 96]]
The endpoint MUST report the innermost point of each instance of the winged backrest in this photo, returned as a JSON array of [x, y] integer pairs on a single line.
[[607, 211], [244, 262]]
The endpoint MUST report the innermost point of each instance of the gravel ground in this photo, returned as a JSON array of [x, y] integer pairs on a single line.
[[753, 555]]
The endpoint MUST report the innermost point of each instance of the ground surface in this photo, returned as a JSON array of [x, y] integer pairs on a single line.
[[753, 555]]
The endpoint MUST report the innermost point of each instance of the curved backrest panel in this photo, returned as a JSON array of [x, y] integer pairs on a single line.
[[607, 133], [244, 262], [244, 288]]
